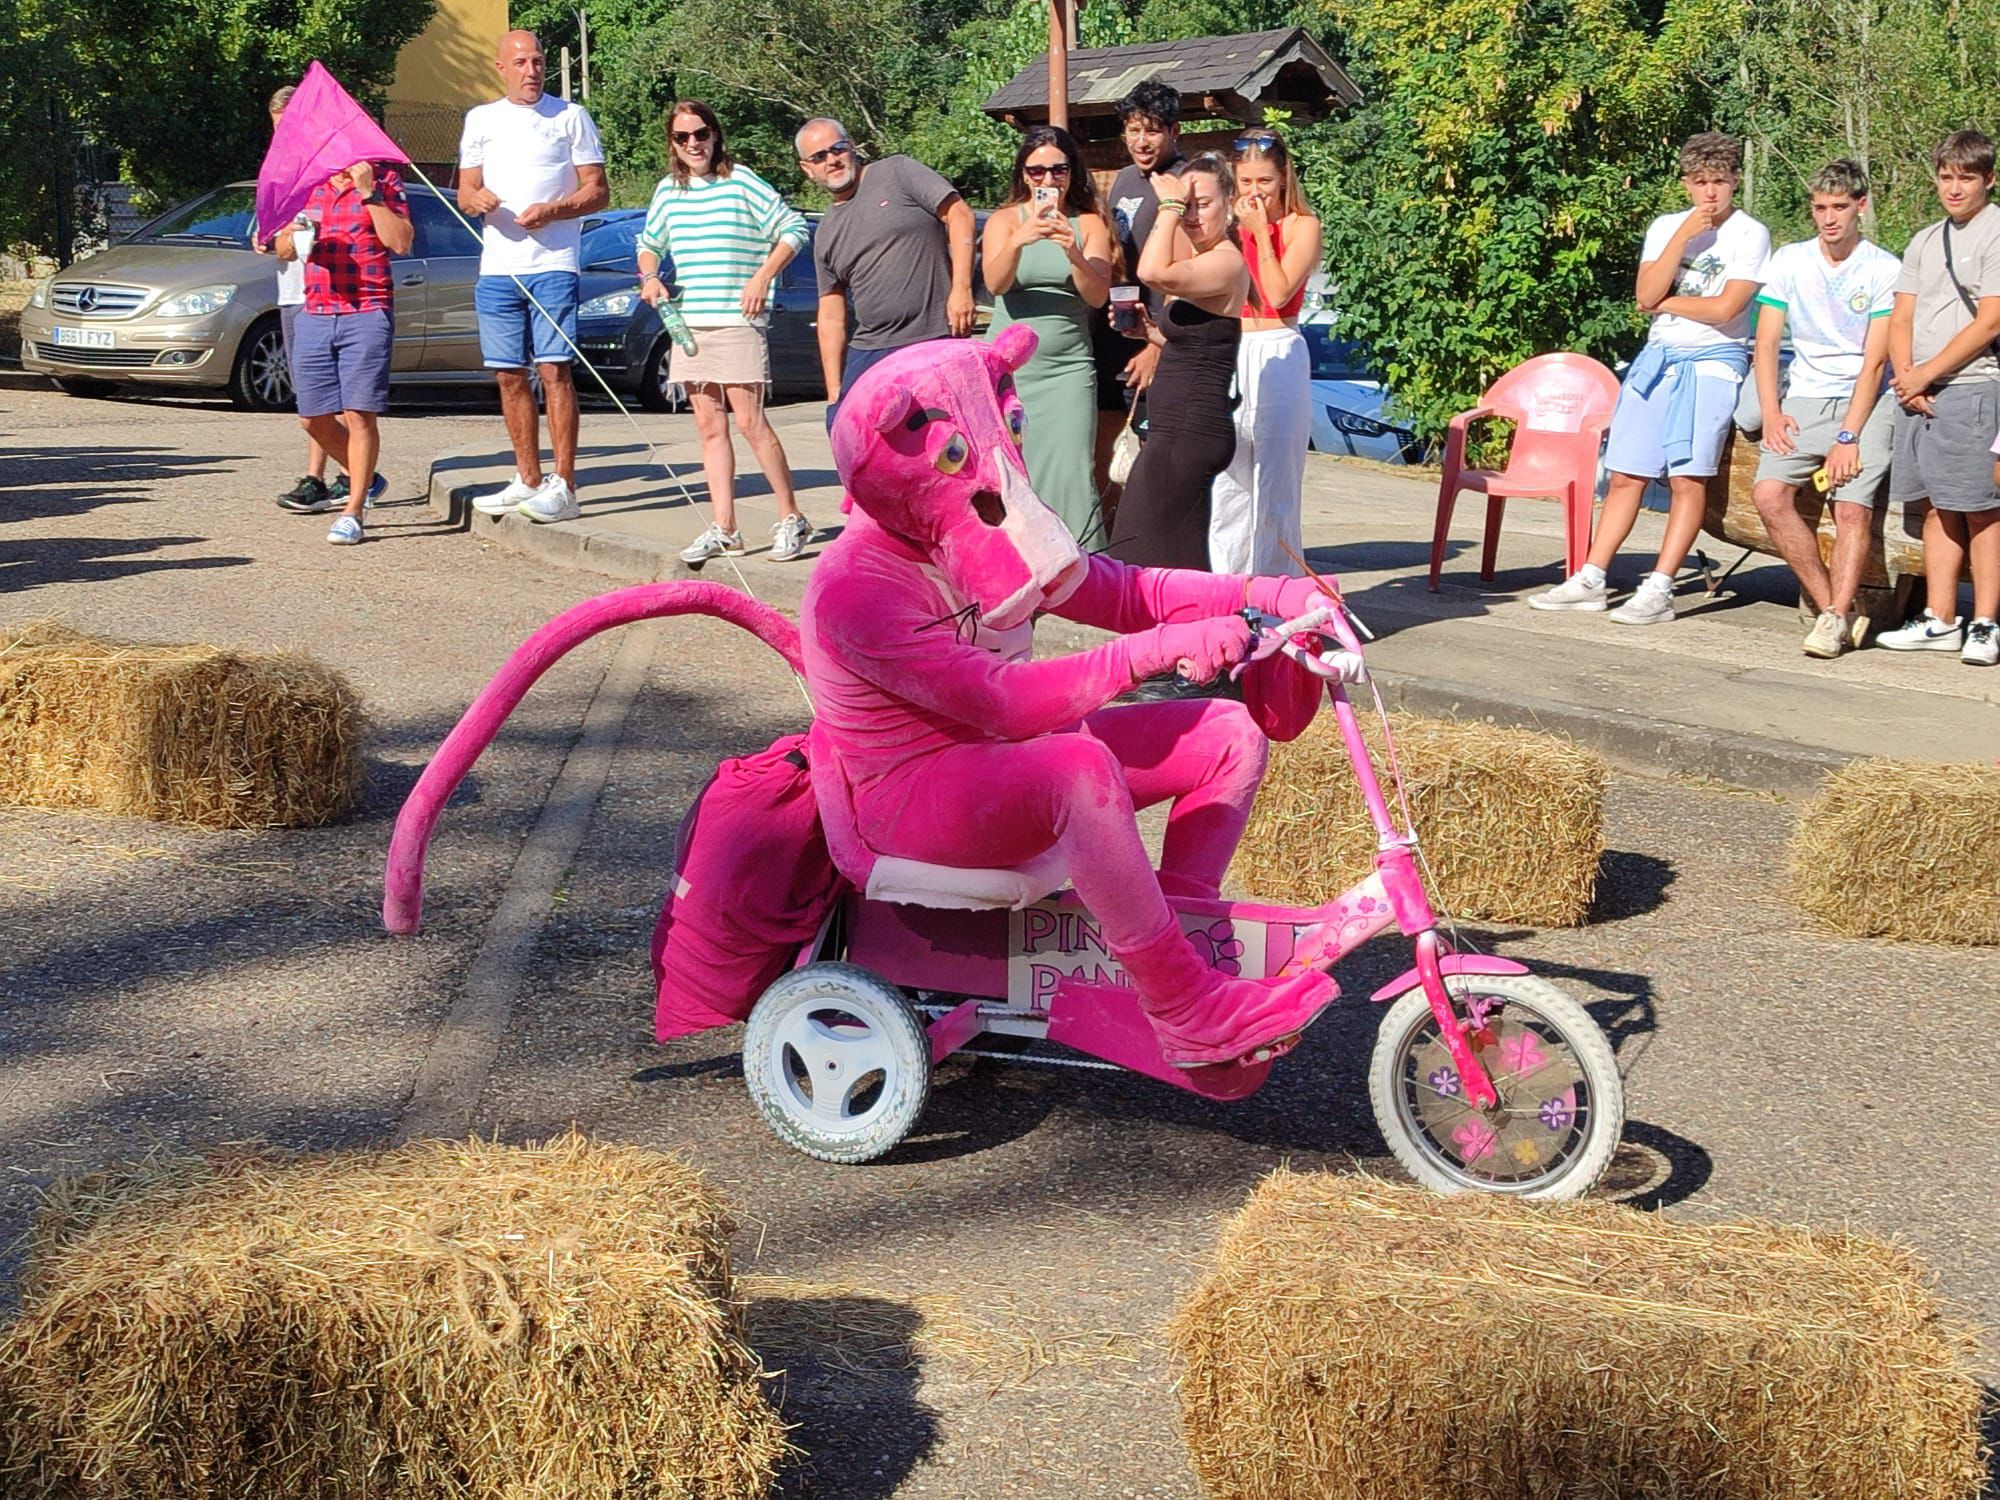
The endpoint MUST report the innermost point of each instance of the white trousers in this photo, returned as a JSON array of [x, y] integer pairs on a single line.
[[1254, 509]]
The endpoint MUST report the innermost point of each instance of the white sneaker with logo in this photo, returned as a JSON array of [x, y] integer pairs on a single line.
[[554, 501], [714, 542], [501, 501], [1571, 593], [1828, 637], [789, 537], [1652, 603], [1982, 644], [1925, 633]]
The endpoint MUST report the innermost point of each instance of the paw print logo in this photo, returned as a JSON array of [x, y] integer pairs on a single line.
[[1225, 949]]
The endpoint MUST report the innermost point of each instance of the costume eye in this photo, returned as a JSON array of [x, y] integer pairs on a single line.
[[952, 456], [1016, 422]]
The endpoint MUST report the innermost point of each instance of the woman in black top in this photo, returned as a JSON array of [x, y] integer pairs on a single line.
[[1192, 260]]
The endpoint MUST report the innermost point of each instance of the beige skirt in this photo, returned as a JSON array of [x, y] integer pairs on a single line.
[[723, 356]]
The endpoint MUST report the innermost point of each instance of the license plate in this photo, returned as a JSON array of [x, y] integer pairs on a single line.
[[86, 338]]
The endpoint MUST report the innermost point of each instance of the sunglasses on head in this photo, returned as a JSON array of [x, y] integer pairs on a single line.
[[1037, 173], [692, 137], [1261, 142], [838, 148]]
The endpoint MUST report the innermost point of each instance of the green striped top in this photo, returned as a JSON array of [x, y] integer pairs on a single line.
[[716, 231]]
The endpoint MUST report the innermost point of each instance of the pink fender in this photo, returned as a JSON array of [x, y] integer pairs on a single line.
[[403, 881], [1449, 963]]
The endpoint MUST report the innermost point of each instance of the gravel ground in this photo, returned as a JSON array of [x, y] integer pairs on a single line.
[[978, 1313]]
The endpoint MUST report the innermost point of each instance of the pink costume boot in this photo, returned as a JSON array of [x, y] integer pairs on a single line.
[[1203, 1016]]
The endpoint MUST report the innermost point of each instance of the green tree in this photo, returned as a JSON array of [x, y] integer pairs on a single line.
[[175, 89], [1486, 202]]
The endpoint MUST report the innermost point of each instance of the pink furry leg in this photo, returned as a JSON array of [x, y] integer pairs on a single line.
[[1207, 756], [981, 806]]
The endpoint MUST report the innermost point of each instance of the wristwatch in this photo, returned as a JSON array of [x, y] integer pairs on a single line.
[[374, 196], [1844, 436]]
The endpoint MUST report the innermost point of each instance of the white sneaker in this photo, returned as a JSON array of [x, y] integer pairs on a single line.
[[789, 537], [1571, 593], [1982, 644], [1925, 633], [346, 531], [1651, 604], [554, 501], [1828, 637], [714, 542], [501, 501]]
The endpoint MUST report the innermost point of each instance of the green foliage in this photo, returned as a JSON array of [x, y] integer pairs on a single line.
[[1882, 81], [176, 88], [1486, 202]]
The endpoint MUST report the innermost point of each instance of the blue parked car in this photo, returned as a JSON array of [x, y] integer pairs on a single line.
[[622, 335], [1348, 398]]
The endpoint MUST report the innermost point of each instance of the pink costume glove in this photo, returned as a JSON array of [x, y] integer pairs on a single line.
[[1286, 598], [1208, 647]]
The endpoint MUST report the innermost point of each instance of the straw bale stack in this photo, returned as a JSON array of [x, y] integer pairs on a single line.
[[447, 1319], [1902, 849], [184, 734], [1357, 1339], [1511, 820]]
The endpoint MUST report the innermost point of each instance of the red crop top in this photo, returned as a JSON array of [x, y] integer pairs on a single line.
[[1258, 305]]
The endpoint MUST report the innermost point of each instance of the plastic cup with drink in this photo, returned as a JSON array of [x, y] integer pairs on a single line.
[[1125, 308], [305, 229]]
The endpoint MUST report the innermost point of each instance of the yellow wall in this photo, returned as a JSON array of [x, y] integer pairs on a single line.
[[450, 64]]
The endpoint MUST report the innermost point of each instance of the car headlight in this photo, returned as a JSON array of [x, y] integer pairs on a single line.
[[198, 303], [39, 297], [610, 305]]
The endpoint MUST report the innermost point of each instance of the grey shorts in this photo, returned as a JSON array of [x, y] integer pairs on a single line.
[[1947, 457], [1819, 419]]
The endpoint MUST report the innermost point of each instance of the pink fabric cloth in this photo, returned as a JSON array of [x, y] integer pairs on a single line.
[[321, 132]]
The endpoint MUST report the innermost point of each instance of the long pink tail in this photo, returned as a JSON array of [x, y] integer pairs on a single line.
[[403, 880]]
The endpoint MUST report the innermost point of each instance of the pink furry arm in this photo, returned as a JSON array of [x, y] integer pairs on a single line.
[[1117, 596]]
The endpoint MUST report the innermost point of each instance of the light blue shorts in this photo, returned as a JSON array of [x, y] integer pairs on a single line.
[[1637, 446], [513, 334]]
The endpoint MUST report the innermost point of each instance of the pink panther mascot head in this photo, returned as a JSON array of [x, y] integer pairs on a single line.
[[928, 443]]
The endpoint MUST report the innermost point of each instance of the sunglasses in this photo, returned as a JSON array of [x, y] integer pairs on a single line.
[[1261, 142], [1036, 174], [838, 148], [692, 137]]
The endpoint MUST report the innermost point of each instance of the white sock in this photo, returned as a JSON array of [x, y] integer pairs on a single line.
[[1592, 575], [1664, 582]]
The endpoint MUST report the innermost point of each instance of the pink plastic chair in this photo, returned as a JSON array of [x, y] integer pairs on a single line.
[[1560, 405]]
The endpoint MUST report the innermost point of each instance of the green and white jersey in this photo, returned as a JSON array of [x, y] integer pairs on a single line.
[[716, 231], [1828, 309]]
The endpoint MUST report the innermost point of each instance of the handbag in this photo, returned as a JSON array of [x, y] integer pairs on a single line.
[[1124, 450]]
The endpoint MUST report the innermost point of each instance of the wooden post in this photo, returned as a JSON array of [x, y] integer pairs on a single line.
[[1059, 63]]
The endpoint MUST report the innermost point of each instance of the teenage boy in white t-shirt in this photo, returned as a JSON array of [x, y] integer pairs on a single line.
[[1834, 292], [531, 165], [1697, 273]]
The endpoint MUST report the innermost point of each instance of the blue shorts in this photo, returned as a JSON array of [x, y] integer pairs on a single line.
[[1637, 443], [340, 361], [512, 333], [855, 364]]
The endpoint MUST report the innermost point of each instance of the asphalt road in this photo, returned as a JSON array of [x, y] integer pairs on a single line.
[[977, 1314]]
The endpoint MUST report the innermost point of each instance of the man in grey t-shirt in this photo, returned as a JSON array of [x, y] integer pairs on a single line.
[[893, 253]]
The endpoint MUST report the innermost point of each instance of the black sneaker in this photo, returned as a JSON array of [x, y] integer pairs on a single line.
[[308, 497], [337, 492]]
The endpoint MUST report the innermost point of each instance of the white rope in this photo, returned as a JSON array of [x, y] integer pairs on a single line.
[[652, 451]]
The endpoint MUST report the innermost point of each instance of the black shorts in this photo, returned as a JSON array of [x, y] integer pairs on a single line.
[[1112, 351]]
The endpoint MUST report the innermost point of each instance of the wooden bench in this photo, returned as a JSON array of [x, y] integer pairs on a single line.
[[1895, 548]]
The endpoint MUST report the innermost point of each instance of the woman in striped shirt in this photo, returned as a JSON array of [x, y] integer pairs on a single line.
[[727, 234]]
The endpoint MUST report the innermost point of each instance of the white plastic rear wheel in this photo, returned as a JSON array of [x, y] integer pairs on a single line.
[[837, 1062], [1562, 1101]]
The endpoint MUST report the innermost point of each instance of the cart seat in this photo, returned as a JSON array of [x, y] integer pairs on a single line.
[[914, 883]]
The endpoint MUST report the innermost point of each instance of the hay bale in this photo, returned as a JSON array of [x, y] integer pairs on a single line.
[[1902, 849], [1357, 1339], [184, 734], [446, 1319], [1511, 820]]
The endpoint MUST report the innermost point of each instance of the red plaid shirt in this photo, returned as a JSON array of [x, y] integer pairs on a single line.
[[349, 269]]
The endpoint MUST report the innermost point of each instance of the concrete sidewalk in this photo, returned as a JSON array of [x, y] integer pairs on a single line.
[[1724, 692]]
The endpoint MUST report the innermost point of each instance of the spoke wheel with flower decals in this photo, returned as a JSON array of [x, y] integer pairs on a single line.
[[1561, 1106]]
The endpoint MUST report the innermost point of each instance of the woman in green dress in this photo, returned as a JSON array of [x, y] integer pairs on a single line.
[[1046, 256]]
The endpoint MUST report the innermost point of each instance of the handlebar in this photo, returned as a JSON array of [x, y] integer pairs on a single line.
[[1275, 637]]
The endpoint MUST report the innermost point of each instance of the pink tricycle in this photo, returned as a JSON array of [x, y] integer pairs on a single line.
[[1483, 1077]]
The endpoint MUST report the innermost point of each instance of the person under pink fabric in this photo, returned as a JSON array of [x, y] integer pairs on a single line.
[[938, 739]]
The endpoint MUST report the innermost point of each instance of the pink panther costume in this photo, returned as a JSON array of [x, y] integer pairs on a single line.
[[938, 742]]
